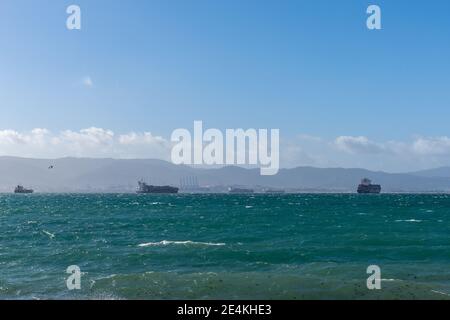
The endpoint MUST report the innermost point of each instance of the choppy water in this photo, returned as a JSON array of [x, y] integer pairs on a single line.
[[224, 246]]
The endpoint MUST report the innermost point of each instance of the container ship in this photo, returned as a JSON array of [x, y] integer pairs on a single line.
[[145, 188], [21, 189], [366, 186]]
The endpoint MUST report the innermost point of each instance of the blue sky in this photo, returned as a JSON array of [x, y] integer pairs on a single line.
[[305, 67]]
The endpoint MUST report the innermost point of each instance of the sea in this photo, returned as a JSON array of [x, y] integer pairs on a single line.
[[225, 246]]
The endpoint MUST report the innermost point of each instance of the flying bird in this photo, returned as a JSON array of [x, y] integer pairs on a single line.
[[50, 167]]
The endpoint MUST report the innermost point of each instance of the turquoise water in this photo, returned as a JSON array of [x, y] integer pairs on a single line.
[[304, 246]]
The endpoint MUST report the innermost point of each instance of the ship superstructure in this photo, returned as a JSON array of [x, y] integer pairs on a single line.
[[21, 189], [366, 186]]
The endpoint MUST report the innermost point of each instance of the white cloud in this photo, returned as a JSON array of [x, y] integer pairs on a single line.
[[359, 144], [90, 142], [139, 139], [302, 150], [87, 82], [136, 144], [360, 151], [91, 137], [432, 146], [12, 137]]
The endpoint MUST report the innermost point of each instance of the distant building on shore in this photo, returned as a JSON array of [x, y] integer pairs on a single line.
[[191, 185]]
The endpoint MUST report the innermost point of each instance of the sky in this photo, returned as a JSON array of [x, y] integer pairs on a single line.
[[342, 95]]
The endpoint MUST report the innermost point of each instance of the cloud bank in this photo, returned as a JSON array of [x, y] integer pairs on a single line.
[[360, 151], [90, 142], [359, 144], [303, 150]]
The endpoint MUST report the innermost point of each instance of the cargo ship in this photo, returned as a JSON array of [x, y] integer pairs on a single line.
[[240, 190], [274, 191], [366, 186], [145, 188], [21, 189]]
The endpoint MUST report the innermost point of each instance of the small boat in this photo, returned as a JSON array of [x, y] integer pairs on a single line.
[[21, 189]]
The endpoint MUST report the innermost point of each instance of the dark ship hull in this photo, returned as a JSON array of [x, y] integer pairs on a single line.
[[373, 188], [275, 191], [20, 189], [240, 190], [146, 189]]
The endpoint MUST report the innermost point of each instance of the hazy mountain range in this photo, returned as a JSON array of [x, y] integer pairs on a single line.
[[111, 175]]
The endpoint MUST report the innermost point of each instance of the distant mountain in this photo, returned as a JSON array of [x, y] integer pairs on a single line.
[[112, 175], [443, 172]]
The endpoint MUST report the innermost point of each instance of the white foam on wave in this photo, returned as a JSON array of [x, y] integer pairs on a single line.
[[188, 242], [410, 220], [440, 292], [105, 296], [389, 280], [51, 235]]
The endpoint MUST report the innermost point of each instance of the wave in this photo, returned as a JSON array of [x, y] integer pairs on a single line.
[[440, 292], [279, 283], [51, 235], [188, 242], [410, 220]]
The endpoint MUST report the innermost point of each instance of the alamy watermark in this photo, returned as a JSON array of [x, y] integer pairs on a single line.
[[73, 282], [374, 280], [73, 21], [374, 20], [235, 147]]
